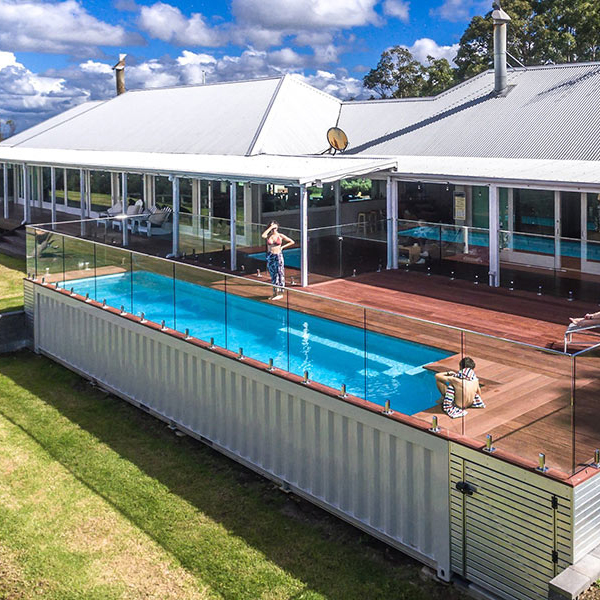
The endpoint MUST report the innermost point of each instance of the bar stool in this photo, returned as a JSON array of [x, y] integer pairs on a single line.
[[362, 222], [373, 220]]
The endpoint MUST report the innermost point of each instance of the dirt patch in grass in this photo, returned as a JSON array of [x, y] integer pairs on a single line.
[[14, 585]]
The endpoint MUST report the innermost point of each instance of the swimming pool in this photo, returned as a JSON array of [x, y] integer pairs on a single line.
[[520, 241], [291, 257], [333, 353]]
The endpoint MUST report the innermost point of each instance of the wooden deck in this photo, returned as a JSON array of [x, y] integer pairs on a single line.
[[527, 390]]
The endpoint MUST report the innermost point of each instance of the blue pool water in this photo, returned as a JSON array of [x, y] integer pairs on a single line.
[[291, 257], [332, 353], [520, 241]]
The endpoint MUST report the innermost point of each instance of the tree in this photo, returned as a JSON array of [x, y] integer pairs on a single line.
[[397, 74], [7, 128], [438, 76], [540, 31], [476, 50]]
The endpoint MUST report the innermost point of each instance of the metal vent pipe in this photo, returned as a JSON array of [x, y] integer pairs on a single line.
[[119, 70], [500, 19]]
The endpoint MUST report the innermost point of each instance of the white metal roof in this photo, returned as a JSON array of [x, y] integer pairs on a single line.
[[550, 112], [291, 170], [279, 115]]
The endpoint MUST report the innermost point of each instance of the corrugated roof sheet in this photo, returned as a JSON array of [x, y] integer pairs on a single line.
[[275, 116], [208, 119], [550, 113]]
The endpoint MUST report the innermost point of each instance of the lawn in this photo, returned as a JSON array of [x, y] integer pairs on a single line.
[[100, 500], [12, 271]]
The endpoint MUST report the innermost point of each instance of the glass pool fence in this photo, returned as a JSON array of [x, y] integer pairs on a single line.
[[527, 260], [537, 400]]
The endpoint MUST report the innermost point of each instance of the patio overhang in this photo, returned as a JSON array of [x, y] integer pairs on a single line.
[[565, 175], [286, 170]]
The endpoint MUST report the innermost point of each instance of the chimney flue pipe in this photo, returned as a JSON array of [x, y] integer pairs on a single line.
[[500, 19], [119, 70]]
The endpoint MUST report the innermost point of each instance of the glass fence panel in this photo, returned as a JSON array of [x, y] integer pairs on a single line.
[[403, 357], [586, 366], [153, 289], [190, 235], [327, 339], [419, 242], [216, 242], [79, 265], [31, 251], [45, 254], [256, 323], [113, 277], [525, 399], [200, 303], [349, 249]]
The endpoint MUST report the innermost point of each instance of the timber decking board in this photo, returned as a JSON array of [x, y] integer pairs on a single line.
[[527, 391]]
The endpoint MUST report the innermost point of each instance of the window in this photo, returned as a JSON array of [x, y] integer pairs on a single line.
[[100, 190]]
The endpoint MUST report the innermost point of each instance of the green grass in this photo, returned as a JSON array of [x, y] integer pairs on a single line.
[[12, 271], [100, 500]]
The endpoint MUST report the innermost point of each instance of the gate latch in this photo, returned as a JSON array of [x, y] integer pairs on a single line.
[[466, 488]]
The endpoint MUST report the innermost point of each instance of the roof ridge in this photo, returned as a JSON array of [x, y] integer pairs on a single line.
[[201, 85]]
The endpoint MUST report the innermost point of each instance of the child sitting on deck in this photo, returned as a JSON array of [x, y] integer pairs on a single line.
[[460, 390]]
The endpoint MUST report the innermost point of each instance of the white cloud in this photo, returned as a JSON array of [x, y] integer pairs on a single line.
[[397, 8], [339, 85], [167, 23], [28, 98], [57, 27], [304, 15], [425, 47]]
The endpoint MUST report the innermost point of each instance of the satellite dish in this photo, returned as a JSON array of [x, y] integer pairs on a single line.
[[337, 139]]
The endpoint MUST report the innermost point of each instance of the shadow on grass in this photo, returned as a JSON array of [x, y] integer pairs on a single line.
[[215, 517]]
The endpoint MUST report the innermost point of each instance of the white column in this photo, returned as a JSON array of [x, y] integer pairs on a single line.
[[557, 230], [303, 236], [124, 208], [494, 223], [82, 200], [248, 213], [66, 186], [53, 196], [337, 194], [5, 182], [510, 216], [232, 225], [584, 230], [391, 197], [210, 203], [40, 186], [175, 250], [26, 195], [88, 193]]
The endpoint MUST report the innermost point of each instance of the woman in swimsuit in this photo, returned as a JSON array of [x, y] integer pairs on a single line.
[[276, 243]]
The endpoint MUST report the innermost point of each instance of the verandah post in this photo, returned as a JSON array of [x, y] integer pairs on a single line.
[[232, 225], [303, 236], [494, 249], [392, 223], [175, 249], [53, 196], [124, 208], [26, 195], [5, 181]]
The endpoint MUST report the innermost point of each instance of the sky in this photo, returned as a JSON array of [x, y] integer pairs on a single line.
[[57, 54]]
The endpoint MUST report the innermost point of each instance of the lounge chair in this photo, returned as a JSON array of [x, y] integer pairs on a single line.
[[156, 223], [584, 327], [109, 214], [132, 211]]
